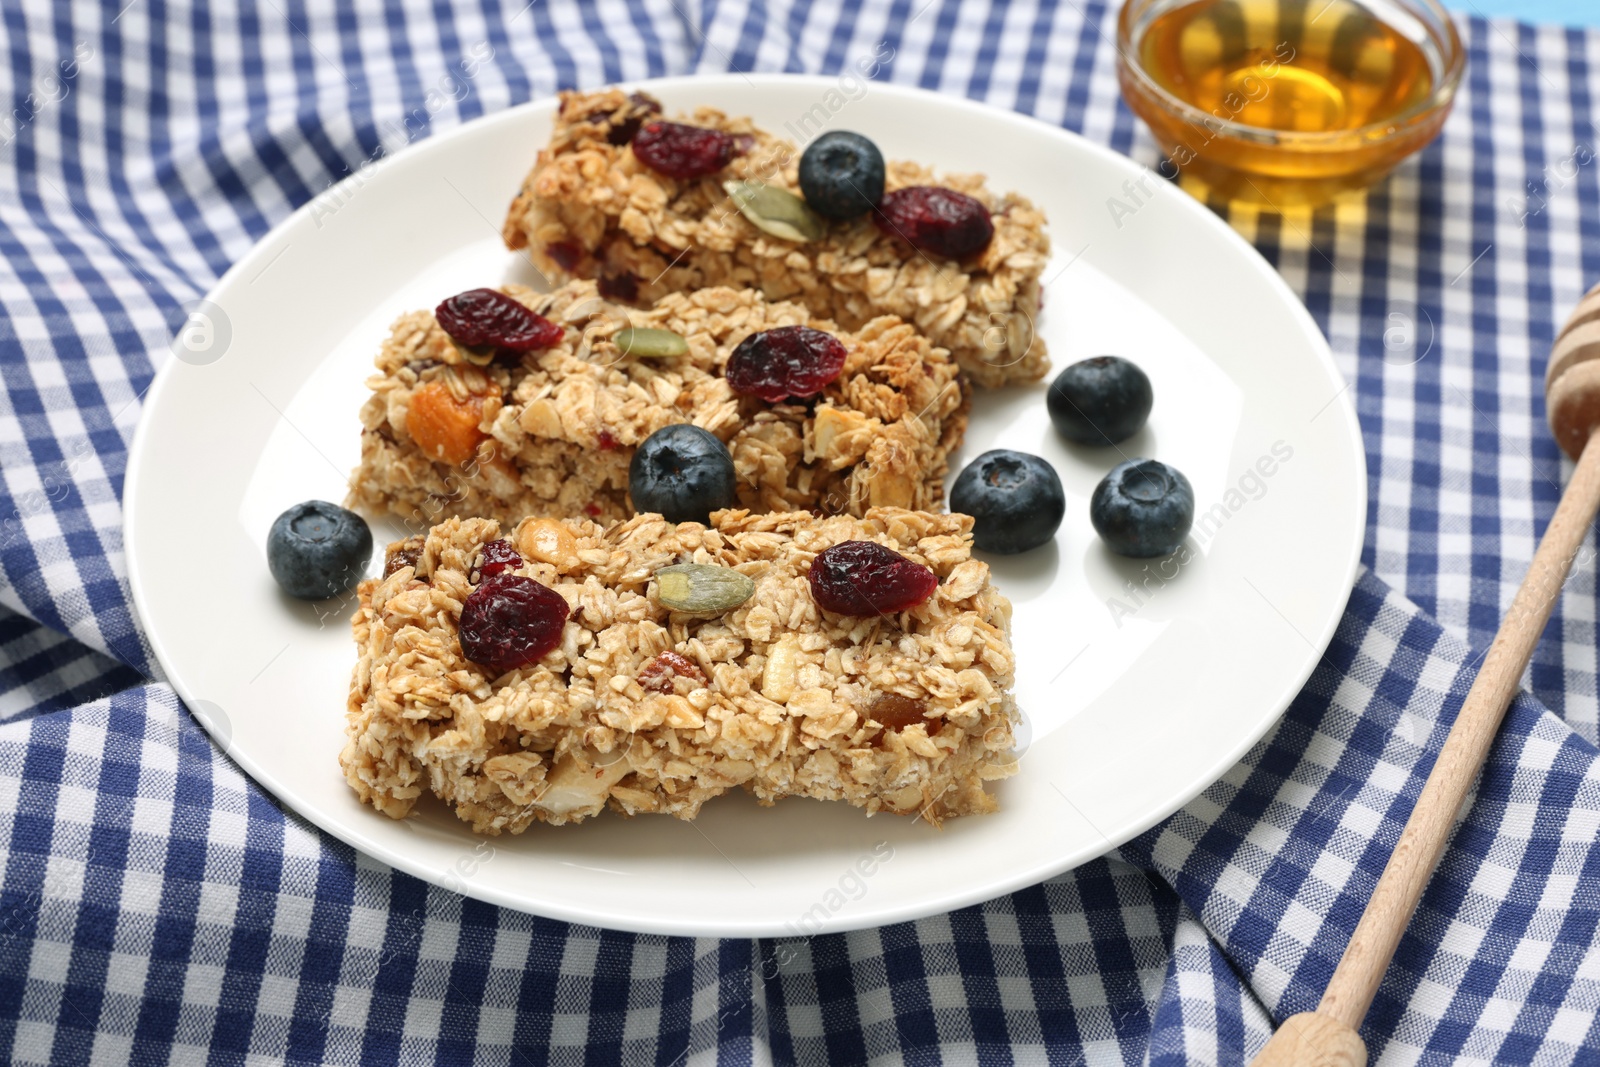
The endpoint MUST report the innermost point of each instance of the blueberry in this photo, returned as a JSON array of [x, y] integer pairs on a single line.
[[683, 472], [841, 174], [317, 550], [1015, 501], [1143, 508], [1100, 401]]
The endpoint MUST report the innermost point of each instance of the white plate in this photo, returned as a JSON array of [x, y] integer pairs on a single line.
[[1131, 713]]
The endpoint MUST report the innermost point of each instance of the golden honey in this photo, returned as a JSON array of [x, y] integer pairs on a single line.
[[1290, 100]]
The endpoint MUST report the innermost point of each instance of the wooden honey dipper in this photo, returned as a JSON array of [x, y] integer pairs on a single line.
[[1327, 1037]]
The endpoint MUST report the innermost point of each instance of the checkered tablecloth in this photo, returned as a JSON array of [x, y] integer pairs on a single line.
[[156, 906]]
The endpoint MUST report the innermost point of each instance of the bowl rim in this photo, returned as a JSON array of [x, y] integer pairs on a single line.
[[1434, 103]]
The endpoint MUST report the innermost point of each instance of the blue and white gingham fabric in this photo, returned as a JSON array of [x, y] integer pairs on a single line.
[[156, 906]]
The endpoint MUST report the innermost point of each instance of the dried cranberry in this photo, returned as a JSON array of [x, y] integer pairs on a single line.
[[607, 442], [788, 361], [865, 578], [592, 510], [498, 557], [939, 221], [480, 317], [565, 253], [681, 151], [658, 674], [628, 128], [624, 287], [510, 621]]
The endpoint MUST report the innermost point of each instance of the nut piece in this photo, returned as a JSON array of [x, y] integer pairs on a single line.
[[782, 669], [658, 674], [840, 437], [647, 342], [889, 488], [548, 541], [578, 787], [702, 588], [541, 419], [775, 211]]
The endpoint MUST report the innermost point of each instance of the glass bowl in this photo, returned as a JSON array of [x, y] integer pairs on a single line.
[[1278, 165]]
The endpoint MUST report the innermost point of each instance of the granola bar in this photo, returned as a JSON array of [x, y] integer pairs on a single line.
[[645, 709], [590, 209], [448, 431]]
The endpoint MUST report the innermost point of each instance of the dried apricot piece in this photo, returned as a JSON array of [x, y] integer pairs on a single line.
[[445, 428]]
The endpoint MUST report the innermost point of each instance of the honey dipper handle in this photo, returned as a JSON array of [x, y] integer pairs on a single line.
[[1355, 981]]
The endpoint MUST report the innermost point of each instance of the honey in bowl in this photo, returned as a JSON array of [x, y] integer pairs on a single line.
[[1288, 100]]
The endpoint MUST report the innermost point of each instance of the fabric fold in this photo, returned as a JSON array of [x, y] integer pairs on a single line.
[[157, 906], [172, 907]]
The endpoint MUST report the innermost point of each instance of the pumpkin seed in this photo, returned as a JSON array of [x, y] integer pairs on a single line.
[[702, 588], [647, 342], [775, 210]]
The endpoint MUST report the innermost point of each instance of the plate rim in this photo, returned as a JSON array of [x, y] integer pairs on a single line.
[[871, 916]]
